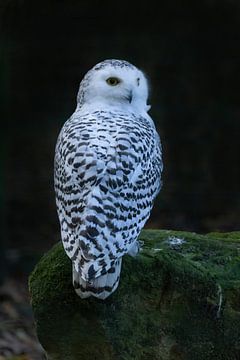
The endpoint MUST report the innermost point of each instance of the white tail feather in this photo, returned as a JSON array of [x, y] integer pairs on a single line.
[[100, 287]]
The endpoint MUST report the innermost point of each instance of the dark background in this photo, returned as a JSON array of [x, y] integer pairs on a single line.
[[190, 52]]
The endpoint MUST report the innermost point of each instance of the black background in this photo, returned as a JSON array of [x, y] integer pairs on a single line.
[[190, 52]]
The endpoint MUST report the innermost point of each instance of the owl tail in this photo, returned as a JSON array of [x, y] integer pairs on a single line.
[[100, 287]]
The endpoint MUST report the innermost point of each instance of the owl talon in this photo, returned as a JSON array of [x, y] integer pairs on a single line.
[[141, 243]]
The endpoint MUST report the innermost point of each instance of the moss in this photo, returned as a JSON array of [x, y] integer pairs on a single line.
[[178, 299]]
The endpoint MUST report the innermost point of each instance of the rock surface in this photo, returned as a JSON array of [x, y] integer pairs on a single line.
[[179, 299]]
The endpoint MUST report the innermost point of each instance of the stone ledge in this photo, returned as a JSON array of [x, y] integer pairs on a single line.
[[178, 299]]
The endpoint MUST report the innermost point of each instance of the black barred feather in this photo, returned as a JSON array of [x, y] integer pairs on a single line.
[[100, 287]]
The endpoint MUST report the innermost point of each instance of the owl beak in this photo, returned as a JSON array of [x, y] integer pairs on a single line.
[[130, 96]]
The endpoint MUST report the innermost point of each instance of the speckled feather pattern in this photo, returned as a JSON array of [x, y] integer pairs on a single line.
[[107, 174]]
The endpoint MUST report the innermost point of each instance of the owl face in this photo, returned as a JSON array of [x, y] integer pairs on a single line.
[[116, 83]]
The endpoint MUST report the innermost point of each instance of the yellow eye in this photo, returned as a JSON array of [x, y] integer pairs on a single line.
[[113, 81]]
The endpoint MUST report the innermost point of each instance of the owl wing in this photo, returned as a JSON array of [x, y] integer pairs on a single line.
[[107, 174]]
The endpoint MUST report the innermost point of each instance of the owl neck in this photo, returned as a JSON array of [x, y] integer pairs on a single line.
[[103, 105]]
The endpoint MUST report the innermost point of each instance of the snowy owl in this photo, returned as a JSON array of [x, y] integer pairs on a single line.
[[108, 168]]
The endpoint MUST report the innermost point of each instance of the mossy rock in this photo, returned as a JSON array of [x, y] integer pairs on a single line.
[[178, 299]]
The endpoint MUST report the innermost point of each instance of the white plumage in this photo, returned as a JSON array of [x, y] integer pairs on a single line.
[[107, 174]]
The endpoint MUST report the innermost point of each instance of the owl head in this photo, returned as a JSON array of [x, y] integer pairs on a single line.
[[114, 83]]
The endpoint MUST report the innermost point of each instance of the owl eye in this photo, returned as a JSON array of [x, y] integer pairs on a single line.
[[113, 81]]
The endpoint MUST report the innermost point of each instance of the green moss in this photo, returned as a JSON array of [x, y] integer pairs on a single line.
[[178, 299]]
